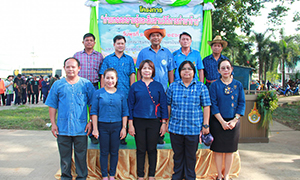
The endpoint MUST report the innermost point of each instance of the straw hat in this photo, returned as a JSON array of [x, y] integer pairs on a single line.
[[154, 29], [218, 39]]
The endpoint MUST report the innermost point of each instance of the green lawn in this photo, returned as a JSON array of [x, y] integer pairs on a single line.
[[25, 118], [288, 115]]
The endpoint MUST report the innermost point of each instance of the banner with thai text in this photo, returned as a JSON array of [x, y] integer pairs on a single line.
[[130, 20]]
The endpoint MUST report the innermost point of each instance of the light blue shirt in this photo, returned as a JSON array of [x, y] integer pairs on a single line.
[[194, 57], [71, 102], [109, 107], [163, 62]]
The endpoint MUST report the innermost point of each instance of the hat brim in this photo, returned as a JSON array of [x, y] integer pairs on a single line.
[[224, 43], [147, 32]]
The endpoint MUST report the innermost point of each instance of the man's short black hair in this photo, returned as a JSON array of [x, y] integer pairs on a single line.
[[117, 37], [78, 62], [185, 33], [89, 35]]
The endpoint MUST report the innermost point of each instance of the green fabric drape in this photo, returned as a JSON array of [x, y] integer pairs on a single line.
[[206, 34], [94, 29]]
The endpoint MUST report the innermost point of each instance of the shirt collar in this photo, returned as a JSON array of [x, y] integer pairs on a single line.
[[192, 82], [114, 54], [83, 51], [191, 50], [161, 48]]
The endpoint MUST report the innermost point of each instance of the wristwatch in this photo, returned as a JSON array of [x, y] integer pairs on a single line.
[[237, 117], [205, 126]]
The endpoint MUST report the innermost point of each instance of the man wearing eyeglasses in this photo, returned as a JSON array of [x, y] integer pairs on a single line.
[[211, 62], [186, 53]]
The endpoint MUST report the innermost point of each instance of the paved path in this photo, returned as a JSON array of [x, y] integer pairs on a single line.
[[33, 155]]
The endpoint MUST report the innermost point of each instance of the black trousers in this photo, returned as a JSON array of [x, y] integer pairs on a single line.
[[146, 135], [65, 144], [35, 96], [185, 148]]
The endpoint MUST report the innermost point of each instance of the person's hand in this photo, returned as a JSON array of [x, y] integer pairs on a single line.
[[32, 92], [232, 123], [88, 128], [225, 125], [163, 129], [131, 130], [123, 133], [95, 133], [205, 131], [200, 137], [54, 130]]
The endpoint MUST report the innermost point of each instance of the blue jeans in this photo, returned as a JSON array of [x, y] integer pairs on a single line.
[[109, 139], [185, 148], [9, 99]]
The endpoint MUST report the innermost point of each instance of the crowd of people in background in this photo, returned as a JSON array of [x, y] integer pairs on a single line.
[[21, 90]]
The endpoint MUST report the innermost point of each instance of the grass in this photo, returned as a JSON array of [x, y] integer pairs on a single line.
[[288, 115], [25, 118]]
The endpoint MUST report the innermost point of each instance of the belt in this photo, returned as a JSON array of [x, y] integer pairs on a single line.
[[210, 81]]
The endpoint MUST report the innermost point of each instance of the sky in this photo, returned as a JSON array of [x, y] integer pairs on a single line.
[[42, 34]]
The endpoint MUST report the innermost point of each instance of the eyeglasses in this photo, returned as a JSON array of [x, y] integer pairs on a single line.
[[223, 68], [189, 68]]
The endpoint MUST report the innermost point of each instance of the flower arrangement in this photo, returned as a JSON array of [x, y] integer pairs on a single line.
[[267, 103]]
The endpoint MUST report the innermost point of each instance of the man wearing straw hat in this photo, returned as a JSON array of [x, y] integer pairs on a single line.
[[160, 56], [211, 62]]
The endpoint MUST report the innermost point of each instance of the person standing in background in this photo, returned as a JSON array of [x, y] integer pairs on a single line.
[[211, 62], [9, 85], [2, 91], [34, 86], [186, 53], [90, 62]]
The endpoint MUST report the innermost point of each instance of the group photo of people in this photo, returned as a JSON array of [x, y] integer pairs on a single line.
[[103, 99]]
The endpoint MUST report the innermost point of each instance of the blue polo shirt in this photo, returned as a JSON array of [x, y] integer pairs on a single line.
[[186, 107], [163, 62], [194, 56], [71, 100], [211, 67], [124, 67], [109, 107]]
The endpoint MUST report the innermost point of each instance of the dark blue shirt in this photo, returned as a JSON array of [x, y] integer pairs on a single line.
[[211, 67], [109, 107], [124, 67], [227, 104], [140, 103]]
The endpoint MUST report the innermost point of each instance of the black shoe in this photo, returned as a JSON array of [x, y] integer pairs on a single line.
[[94, 140], [123, 142], [160, 141]]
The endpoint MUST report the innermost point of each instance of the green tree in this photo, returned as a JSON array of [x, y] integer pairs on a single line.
[[289, 52], [262, 50]]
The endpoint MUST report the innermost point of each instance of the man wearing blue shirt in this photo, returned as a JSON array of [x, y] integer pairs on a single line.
[[122, 63], [69, 97], [160, 56], [186, 53], [211, 62]]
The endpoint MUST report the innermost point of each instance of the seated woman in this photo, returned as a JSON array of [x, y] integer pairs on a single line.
[[228, 104], [185, 99], [147, 104]]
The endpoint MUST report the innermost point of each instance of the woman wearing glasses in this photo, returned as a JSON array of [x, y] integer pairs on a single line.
[[228, 104]]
